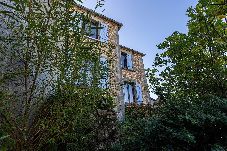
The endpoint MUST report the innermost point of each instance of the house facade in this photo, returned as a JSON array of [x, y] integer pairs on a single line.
[[126, 76], [127, 80]]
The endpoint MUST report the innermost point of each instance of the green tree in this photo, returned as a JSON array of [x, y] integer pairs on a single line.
[[193, 70], [194, 62], [50, 78], [179, 124], [190, 77]]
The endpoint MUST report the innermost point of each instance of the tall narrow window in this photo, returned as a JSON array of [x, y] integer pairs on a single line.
[[85, 77], [123, 60], [128, 92], [126, 60]]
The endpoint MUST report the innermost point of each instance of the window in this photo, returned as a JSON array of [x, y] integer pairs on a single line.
[[85, 77], [126, 60], [93, 29], [132, 93], [86, 73], [128, 92], [97, 30]]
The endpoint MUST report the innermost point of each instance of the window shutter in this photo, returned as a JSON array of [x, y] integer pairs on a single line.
[[80, 79], [103, 32], [89, 77], [125, 93], [139, 97], [85, 76], [76, 21], [47, 80], [129, 61], [122, 61], [80, 24], [104, 73], [130, 91]]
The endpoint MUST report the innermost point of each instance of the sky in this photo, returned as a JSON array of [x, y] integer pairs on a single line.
[[146, 23]]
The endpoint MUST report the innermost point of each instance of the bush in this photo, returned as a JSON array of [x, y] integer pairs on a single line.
[[198, 124]]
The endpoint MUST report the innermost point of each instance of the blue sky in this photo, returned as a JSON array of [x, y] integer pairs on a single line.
[[146, 23]]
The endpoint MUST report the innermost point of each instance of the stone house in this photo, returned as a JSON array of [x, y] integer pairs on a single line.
[[127, 81]]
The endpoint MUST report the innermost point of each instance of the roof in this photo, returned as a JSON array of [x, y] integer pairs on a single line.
[[124, 47], [100, 15]]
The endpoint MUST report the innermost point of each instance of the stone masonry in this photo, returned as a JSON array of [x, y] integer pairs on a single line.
[[112, 50]]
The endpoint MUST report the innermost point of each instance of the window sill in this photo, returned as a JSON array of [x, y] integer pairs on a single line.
[[132, 70], [98, 40]]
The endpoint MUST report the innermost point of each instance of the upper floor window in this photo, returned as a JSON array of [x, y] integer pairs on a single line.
[[85, 76], [126, 60], [93, 29], [87, 73], [97, 30]]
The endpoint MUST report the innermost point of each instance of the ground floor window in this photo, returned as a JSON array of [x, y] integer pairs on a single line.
[[132, 93], [128, 92]]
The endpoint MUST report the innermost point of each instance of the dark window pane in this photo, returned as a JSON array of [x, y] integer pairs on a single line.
[[124, 60]]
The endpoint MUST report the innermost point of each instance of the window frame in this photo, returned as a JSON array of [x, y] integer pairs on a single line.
[[124, 63], [90, 26], [129, 101]]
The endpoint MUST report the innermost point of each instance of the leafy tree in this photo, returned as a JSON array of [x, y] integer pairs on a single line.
[[50, 79], [190, 79], [194, 62], [179, 124]]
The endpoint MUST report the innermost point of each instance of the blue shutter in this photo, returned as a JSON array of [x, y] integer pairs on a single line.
[[80, 24], [139, 96], [89, 76], [125, 93], [122, 61], [77, 20], [85, 76], [80, 75], [129, 61], [88, 73], [104, 73], [130, 91], [103, 32]]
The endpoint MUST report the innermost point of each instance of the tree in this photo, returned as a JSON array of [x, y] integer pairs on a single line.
[[190, 78], [176, 125], [50, 77], [194, 62]]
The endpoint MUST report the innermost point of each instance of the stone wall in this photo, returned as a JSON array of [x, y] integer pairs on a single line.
[[137, 74], [111, 50]]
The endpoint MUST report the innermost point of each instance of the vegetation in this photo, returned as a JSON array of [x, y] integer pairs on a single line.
[[190, 79], [50, 95]]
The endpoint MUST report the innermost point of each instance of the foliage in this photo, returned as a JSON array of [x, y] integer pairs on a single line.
[[93, 125], [50, 77], [194, 62], [198, 124], [190, 79]]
